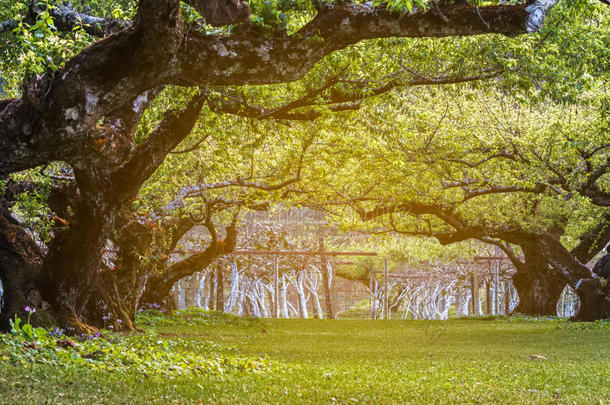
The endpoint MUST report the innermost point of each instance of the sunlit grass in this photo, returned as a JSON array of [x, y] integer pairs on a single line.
[[356, 361]]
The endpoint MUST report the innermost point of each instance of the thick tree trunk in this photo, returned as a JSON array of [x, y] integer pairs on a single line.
[[62, 281], [211, 295], [594, 298], [539, 291], [539, 288], [159, 294], [593, 294], [20, 262], [72, 268], [119, 289], [79, 291]]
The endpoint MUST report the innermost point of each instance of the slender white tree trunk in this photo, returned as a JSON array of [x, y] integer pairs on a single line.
[[293, 311], [283, 298], [240, 301], [252, 296], [260, 296], [318, 307], [376, 299], [313, 281], [301, 293], [200, 289], [234, 288], [181, 295]]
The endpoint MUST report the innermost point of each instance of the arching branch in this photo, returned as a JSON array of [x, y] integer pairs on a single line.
[[252, 57]]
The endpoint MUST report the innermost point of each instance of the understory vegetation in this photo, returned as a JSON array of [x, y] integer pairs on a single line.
[[198, 356]]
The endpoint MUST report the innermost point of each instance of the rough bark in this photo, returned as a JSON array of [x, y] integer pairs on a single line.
[[67, 19], [594, 296], [119, 289], [222, 12], [251, 56], [78, 292], [538, 287], [57, 117], [20, 265]]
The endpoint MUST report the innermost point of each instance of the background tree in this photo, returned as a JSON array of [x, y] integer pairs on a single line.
[[459, 173]]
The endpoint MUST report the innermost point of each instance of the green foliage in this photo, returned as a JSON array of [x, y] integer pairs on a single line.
[[273, 15], [37, 47], [402, 6], [26, 332], [37, 215], [140, 354], [31, 206], [192, 316], [414, 145], [43, 50]]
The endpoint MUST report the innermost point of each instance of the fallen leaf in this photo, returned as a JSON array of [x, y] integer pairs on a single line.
[[30, 345], [66, 343]]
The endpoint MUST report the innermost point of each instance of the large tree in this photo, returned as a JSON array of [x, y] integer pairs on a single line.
[[458, 170], [85, 109]]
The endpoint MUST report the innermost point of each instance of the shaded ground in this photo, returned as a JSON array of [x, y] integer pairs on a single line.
[[356, 361]]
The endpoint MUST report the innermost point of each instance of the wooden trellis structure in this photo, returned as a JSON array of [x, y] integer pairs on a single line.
[[417, 279], [471, 279], [277, 253]]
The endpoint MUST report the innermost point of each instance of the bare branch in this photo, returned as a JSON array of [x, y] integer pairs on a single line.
[[200, 189], [318, 99], [502, 154], [8, 25], [66, 19], [539, 188]]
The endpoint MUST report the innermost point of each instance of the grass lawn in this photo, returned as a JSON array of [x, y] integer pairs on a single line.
[[352, 361]]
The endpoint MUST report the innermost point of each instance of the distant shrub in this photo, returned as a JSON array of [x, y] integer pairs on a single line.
[[190, 316]]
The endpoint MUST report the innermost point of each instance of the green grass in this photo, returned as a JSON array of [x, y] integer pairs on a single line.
[[353, 361]]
